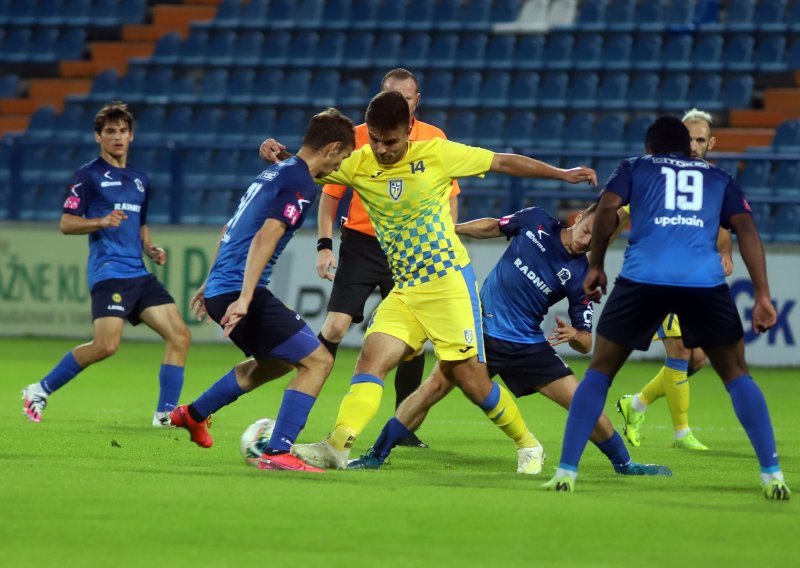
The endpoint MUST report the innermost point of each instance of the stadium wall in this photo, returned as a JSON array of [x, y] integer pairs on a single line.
[[43, 288]]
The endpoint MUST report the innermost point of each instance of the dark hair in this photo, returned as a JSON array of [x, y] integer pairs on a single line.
[[668, 134], [388, 110], [401, 75], [115, 111], [329, 126]]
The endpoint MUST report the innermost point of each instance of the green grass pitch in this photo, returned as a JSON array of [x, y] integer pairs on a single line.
[[95, 484]]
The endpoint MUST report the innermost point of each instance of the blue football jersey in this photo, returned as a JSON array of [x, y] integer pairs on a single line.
[[677, 205], [97, 189], [285, 191], [535, 272]]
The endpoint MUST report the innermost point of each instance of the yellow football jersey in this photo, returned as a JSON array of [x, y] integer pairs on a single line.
[[409, 204]]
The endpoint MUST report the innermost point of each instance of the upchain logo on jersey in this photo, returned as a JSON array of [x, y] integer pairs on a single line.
[[128, 207], [395, 188], [139, 184], [693, 221], [531, 275], [292, 213], [536, 241]]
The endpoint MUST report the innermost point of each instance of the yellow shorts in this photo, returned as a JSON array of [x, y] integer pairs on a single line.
[[671, 327], [446, 311]]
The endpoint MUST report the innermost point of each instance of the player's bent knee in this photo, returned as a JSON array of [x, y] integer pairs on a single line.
[[104, 348], [335, 327]]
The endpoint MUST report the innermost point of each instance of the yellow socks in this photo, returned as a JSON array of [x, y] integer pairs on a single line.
[[653, 390], [676, 387], [501, 409], [358, 408]]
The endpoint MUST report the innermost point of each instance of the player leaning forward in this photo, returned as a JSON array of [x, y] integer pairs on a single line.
[[405, 188]]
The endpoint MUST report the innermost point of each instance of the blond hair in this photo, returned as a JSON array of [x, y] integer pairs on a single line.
[[697, 115]]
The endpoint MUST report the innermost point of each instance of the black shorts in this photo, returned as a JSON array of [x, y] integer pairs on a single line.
[[127, 298], [268, 323], [362, 267], [524, 367], [634, 311]]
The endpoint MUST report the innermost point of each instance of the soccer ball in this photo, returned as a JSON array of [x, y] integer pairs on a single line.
[[255, 439]]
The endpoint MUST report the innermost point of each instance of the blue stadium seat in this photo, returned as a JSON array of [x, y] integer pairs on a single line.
[[71, 43], [302, 48], [104, 13], [419, 15], [617, 52], [647, 48], [471, 50], [253, 13], [365, 10], [260, 124], [220, 48], [42, 47], [604, 167], [42, 123], [177, 123], [461, 126], [770, 15], [738, 53], [161, 171], [447, 15], [437, 118], [353, 92], [104, 86], [500, 51], [151, 123], [442, 53], [182, 89], [227, 15], [438, 89], [680, 13], [548, 130], [33, 160], [414, 50], [786, 179], [785, 226], [553, 90], [131, 11], [591, 16], [476, 14], [754, 178], [518, 131], [489, 129], [524, 90], [608, 133], [324, 88], [167, 49], [154, 84], [579, 131], [73, 122], [557, 52], [619, 15], [793, 55], [677, 52], [787, 136], [16, 44], [650, 15], [588, 52], [196, 169], [739, 16], [158, 205], [643, 91], [213, 87], [529, 52], [761, 216], [730, 165], [705, 91], [205, 125], [193, 48], [707, 54], [9, 88], [240, 86], [391, 15], [233, 124], [770, 55], [290, 125], [215, 207], [737, 91], [634, 133], [494, 89], [275, 48], [673, 92], [466, 89], [504, 10], [793, 19], [613, 92], [294, 89], [330, 48], [309, 12], [583, 90], [358, 49], [49, 12], [267, 85]]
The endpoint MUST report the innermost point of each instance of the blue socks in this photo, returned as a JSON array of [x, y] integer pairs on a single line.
[[291, 419], [751, 410], [392, 433], [616, 452], [222, 393], [586, 408], [61, 374], [170, 379]]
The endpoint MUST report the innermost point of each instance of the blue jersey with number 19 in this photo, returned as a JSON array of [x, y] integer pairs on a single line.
[[677, 206], [285, 191]]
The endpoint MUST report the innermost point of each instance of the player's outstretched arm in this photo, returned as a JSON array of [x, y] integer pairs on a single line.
[[156, 253], [579, 340], [605, 223], [75, 225], [485, 228], [523, 166], [752, 251]]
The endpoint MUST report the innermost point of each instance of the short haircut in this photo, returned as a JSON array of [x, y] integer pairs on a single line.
[[329, 126], [115, 111], [668, 134], [401, 75], [697, 115], [388, 110]]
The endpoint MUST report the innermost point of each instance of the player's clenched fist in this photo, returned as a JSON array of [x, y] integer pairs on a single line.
[[113, 219]]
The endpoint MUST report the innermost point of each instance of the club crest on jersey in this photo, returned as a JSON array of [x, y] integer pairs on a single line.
[[395, 188], [564, 275], [468, 335], [139, 184]]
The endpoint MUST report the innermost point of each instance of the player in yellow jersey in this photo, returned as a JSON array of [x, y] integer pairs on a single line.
[[672, 380], [405, 188]]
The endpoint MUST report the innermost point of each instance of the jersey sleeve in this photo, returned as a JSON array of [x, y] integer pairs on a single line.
[[733, 203], [619, 181], [79, 195], [511, 225], [581, 309], [292, 203], [460, 160], [334, 190]]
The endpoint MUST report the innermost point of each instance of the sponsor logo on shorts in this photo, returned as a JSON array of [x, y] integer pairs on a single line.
[[72, 202], [116, 307], [139, 184], [117, 297], [693, 221], [395, 188], [564, 275]]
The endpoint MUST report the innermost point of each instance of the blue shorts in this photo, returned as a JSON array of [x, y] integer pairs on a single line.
[[524, 367], [127, 298], [269, 329], [634, 311]]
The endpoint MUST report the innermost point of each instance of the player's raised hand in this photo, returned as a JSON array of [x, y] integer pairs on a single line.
[[233, 315], [594, 286], [580, 174], [326, 263], [113, 219], [198, 303], [271, 150], [562, 333], [764, 315], [157, 254]]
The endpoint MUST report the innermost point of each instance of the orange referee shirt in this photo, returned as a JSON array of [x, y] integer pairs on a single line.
[[357, 217]]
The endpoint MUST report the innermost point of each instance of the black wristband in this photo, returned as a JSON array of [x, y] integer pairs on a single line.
[[324, 244]]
